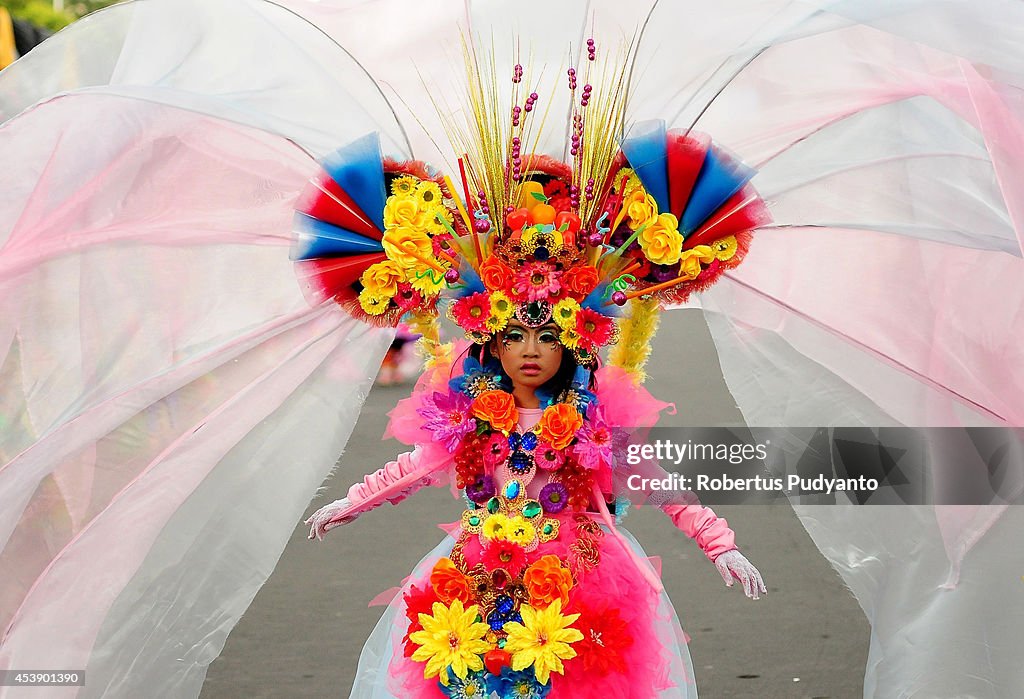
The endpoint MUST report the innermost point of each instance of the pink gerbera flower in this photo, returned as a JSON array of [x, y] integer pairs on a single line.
[[536, 281], [504, 554], [407, 298], [594, 442], [471, 312], [593, 328], [547, 457], [495, 450]]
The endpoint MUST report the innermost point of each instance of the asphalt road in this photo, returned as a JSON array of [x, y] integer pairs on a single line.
[[807, 639]]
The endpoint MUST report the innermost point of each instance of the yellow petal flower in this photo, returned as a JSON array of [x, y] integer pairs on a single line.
[[451, 637], [404, 185], [564, 313], [429, 194], [569, 338], [641, 209], [428, 282], [404, 212], [520, 531], [382, 279], [542, 639], [725, 248], [661, 240], [496, 527], [690, 260], [501, 305], [373, 304], [406, 246]]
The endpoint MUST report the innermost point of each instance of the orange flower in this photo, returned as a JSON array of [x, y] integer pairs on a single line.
[[498, 408], [495, 274], [559, 424], [580, 280], [450, 583], [546, 580]]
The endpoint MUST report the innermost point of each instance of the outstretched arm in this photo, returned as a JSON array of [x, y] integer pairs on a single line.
[[394, 482], [718, 542]]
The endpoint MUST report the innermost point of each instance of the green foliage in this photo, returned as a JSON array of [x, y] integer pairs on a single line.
[[42, 14]]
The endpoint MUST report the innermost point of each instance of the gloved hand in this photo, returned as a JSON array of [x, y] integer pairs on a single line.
[[320, 522], [733, 564]]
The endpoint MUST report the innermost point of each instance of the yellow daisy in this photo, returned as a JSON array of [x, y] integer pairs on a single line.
[[725, 248], [496, 527], [495, 323], [542, 640], [520, 531], [431, 222], [569, 338], [404, 185], [501, 305], [564, 313], [451, 637], [428, 193], [428, 282], [373, 304]]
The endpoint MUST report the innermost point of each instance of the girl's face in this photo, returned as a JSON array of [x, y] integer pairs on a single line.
[[530, 356]]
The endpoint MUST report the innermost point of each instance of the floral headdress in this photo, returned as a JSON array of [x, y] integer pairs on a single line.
[[635, 219]]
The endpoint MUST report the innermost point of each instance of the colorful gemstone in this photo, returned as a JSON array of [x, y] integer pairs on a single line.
[[513, 440], [520, 462], [500, 579], [547, 529], [493, 505], [529, 441], [512, 491], [532, 509], [474, 520], [495, 621], [504, 605]]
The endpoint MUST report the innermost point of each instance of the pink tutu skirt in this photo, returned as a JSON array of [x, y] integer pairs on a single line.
[[633, 646]]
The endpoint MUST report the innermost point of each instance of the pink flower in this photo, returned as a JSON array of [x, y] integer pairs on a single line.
[[595, 330], [547, 457], [471, 312], [495, 450], [536, 281], [594, 441], [447, 417], [407, 298], [504, 554]]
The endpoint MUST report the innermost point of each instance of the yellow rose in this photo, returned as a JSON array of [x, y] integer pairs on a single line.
[[382, 278], [403, 212], [640, 208], [407, 245], [661, 241], [690, 260]]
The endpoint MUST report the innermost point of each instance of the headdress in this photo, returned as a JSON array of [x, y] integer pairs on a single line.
[[636, 216]]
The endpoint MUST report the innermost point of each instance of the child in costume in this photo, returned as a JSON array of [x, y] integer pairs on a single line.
[[536, 592]]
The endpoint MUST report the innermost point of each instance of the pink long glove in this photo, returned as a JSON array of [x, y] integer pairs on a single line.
[[361, 498], [718, 542]]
